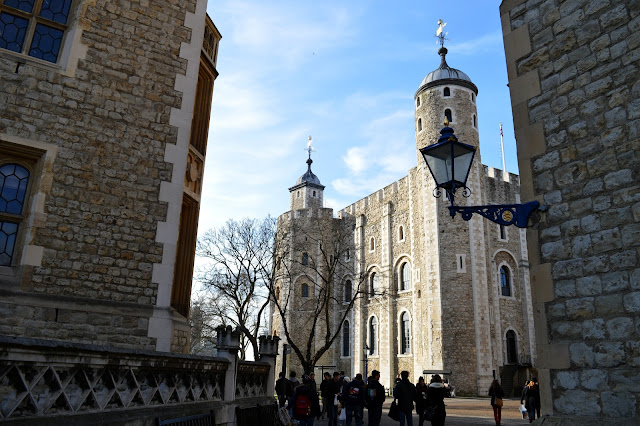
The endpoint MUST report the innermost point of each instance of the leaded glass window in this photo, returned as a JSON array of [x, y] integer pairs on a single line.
[[405, 334], [14, 180], [373, 336], [34, 27], [505, 281]]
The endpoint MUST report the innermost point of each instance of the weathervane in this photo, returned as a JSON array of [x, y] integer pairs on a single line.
[[309, 147], [440, 34]]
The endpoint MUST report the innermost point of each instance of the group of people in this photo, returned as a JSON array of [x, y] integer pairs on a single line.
[[429, 400], [530, 400]]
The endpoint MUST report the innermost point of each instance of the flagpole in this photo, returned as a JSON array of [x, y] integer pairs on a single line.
[[504, 165]]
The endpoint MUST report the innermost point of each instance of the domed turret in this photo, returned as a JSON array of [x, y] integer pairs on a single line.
[[307, 192], [444, 74]]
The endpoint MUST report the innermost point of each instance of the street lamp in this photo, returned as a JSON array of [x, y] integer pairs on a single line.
[[366, 361], [449, 162]]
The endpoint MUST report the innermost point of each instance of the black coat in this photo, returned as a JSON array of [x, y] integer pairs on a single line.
[[405, 393], [374, 394], [531, 397], [495, 393], [421, 397]]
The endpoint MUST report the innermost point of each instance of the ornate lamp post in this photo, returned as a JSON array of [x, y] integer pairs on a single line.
[[449, 162]]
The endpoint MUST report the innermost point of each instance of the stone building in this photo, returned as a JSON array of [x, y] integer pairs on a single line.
[[103, 132], [430, 292], [574, 76]]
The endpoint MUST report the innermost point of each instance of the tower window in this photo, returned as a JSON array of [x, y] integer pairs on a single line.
[[314, 192], [401, 233], [446, 92], [373, 336], [372, 244], [405, 276], [418, 101], [345, 339], [419, 124], [473, 97], [475, 121], [502, 232], [305, 258], [374, 284], [505, 281], [347, 291], [304, 290], [447, 114], [405, 334]]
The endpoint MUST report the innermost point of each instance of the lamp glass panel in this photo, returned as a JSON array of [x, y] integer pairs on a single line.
[[438, 158], [462, 165]]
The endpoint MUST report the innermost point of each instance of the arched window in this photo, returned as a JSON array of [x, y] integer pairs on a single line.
[[345, 339], [305, 258], [447, 113], [505, 281], [298, 194], [14, 180], [512, 347], [373, 336], [373, 284], [347, 291], [502, 232], [418, 101], [473, 97], [304, 290], [372, 244], [475, 121], [347, 255], [419, 124], [401, 233], [447, 92], [314, 192], [405, 334], [405, 276]]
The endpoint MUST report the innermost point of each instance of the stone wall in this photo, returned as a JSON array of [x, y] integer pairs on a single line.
[[89, 242], [573, 71]]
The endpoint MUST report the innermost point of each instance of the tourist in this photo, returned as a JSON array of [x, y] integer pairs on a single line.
[[531, 398], [496, 393], [421, 399], [435, 397], [305, 405], [282, 386], [374, 398], [327, 398], [405, 393], [353, 400]]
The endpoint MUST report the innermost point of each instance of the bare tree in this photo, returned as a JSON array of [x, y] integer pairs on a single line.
[[320, 254], [238, 275]]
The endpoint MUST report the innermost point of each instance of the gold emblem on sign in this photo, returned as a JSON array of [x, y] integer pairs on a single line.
[[507, 215]]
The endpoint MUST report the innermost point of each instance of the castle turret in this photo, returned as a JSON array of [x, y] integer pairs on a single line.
[[446, 93], [307, 192]]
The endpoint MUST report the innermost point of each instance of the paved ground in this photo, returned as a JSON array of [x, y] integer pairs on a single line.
[[462, 411]]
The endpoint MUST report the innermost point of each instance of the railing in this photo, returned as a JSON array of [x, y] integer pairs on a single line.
[[252, 379]]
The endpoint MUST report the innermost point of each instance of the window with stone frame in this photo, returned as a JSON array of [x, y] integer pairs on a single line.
[[14, 190], [401, 233], [374, 284], [304, 290], [505, 281], [372, 244], [419, 124], [405, 333], [305, 259], [448, 115], [348, 290], [346, 340], [502, 232], [373, 336], [446, 92], [405, 277], [35, 28]]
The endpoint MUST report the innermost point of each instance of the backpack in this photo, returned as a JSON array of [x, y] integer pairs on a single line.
[[302, 407]]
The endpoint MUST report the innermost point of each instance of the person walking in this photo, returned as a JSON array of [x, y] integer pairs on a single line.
[[282, 386], [374, 398], [353, 400], [305, 405], [531, 398], [496, 393], [421, 399], [333, 389], [405, 393], [435, 397], [324, 395]]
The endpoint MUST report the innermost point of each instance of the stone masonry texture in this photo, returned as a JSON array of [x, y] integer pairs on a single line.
[[585, 56], [110, 123]]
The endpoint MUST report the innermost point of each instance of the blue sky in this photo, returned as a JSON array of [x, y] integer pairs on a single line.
[[344, 72]]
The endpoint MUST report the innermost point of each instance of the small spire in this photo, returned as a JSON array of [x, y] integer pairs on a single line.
[[309, 150]]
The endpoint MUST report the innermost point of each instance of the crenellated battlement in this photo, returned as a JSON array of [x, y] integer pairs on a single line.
[[376, 199], [499, 175]]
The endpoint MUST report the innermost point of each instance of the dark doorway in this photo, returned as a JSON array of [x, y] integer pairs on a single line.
[[512, 350]]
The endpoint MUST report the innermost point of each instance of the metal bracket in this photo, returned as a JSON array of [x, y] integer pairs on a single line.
[[503, 214]]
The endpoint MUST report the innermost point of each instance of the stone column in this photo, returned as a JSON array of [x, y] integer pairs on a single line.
[[228, 345], [268, 350]]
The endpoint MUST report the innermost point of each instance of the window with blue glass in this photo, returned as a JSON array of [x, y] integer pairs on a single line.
[[34, 27], [14, 180], [505, 281]]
